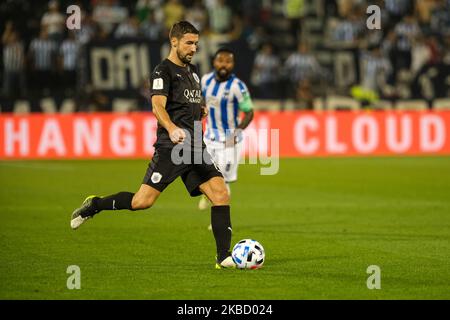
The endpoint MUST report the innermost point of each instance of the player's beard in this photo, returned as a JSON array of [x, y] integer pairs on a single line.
[[187, 58], [223, 73]]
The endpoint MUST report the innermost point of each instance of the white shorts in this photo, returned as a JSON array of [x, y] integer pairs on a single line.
[[227, 159]]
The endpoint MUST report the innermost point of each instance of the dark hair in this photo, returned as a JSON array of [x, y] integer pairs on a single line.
[[181, 28], [223, 50]]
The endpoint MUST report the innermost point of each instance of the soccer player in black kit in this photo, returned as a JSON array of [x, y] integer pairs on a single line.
[[177, 104]]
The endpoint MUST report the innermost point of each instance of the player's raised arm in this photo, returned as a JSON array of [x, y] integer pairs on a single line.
[[176, 134], [159, 90]]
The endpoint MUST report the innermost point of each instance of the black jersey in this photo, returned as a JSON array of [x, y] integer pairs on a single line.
[[181, 86]]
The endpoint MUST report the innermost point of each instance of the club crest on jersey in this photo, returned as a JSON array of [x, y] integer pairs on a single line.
[[156, 177], [196, 77]]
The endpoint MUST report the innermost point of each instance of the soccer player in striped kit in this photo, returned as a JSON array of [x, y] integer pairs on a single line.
[[226, 96]]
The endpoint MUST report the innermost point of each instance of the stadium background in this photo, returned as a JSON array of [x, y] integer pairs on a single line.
[[331, 86], [290, 52]]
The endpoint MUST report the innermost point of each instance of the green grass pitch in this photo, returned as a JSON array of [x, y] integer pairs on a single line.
[[322, 223]]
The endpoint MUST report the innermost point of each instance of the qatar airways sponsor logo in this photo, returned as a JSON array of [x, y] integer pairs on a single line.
[[193, 96]]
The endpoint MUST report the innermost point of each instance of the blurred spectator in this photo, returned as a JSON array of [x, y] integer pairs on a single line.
[[301, 68], [344, 7], [108, 13], [420, 54], [426, 52], [413, 45], [294, 12], [151, 28], [209, 4], [388, 49], [436, 48], [128, 28], [237, 29], [424, 9], [68, 52], [265, 74], [87, 32], [220, 17], [446, 53], [54, 21], [13, 62], [375, 72], [197, 15], [253, 10], [440, 17], [173, 12], [397, 9], [432, 79], [42, 53], [406, 32], [257, 38], [348, 31], [146, 7]]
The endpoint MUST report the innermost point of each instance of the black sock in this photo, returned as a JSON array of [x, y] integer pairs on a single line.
[[221, 227], [118, 201]]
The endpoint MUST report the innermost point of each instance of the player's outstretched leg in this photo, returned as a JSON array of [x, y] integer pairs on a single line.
[[83, 213], [92, 205], [217, 193]]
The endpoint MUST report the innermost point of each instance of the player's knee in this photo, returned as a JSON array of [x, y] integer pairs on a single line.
[[139, 203], [221, 197]]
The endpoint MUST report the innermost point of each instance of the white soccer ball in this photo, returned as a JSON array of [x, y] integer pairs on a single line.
[[248, 254]]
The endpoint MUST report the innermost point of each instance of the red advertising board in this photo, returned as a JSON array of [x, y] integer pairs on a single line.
[[289, 134]]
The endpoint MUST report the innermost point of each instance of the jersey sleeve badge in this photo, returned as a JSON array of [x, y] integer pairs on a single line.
[[158, 84]]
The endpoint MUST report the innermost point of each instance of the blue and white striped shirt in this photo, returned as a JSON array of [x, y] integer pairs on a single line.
[[69, 52], [222, 99], [406, 32], [43, 53]]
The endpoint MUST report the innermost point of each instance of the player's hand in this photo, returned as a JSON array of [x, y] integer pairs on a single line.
[[177, 135], [204, 112], [231, 141]]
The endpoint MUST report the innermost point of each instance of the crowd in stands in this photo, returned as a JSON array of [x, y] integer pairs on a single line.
[[41, 56]]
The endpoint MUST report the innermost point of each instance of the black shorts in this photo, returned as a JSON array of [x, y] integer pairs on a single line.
[[162, 171]]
